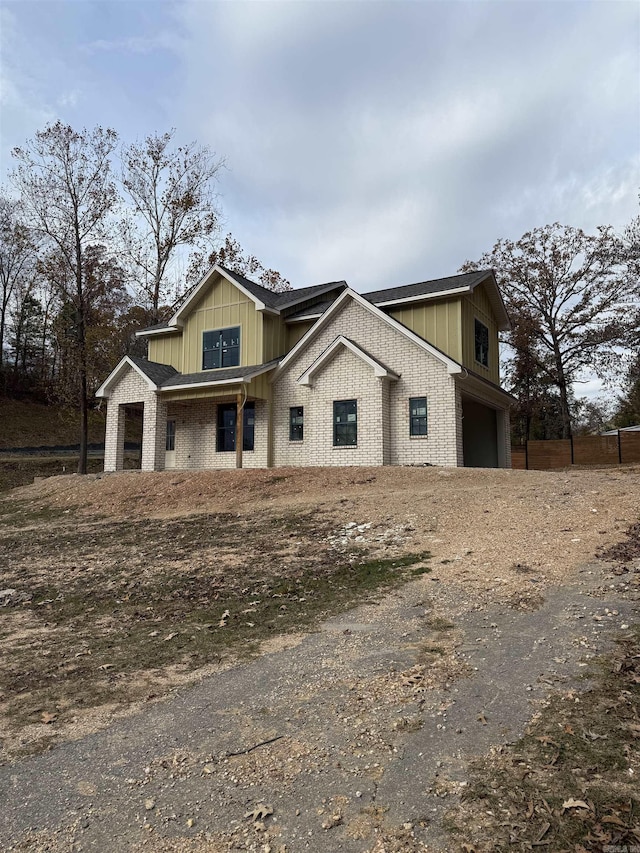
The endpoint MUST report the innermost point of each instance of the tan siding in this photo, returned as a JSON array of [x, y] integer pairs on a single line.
[[478, 305], [222, 305], [259, 388], [295, 331], [274, 338], [436, 322], [166, 349]]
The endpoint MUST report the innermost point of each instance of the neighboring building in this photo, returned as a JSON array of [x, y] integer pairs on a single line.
[[242, 376]]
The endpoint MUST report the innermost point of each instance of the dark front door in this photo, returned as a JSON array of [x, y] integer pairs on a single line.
[[226, 436]]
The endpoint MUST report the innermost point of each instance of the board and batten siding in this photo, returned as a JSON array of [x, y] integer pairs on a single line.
[[436, 322], [222, 305], [477, 305], [166, 349]]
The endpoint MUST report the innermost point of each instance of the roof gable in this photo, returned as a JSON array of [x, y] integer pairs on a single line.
[[451, 365], [153, 373], [341, 342]]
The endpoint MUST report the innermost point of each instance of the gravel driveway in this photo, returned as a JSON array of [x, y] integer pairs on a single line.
[[354, 738]]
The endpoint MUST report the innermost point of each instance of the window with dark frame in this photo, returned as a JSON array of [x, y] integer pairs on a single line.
[[417, 416], [171, 436], [296, 423], [221, 348], [226, 432], [345, 423], [482, 343]]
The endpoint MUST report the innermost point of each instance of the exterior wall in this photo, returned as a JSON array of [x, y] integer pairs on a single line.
[[478, 305], [274, 338], [132, 388], [436, 322], [166, 349], [196, 424], [220, 306], [295, 331], [347, 377]]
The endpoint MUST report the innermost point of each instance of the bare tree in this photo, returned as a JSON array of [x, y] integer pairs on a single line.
[[64, 177], [574, 291], [173, 193], [17, 259]]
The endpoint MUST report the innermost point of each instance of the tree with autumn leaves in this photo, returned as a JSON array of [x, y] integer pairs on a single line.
[[573, 301], [88, 255]]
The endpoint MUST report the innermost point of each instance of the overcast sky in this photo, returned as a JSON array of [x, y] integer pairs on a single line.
[[380, 142]]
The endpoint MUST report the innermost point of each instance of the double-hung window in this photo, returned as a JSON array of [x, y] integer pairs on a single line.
[[296, 423], [345, 423], [221, 348], [482, 343], [417, 416]]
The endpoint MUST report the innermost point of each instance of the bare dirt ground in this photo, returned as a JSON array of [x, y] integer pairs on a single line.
[[126, 588]]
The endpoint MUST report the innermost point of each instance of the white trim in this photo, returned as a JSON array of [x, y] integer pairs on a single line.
[[117, 371], [144, 333], [451, 365], [304, 319], [379, 369], [216, 268], [421, 297]]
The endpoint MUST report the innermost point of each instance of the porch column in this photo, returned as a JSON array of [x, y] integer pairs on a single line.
[[239, 429], [154, 434], [114, 437]]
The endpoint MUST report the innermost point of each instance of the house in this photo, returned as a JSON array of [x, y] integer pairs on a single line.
[[242, 376]]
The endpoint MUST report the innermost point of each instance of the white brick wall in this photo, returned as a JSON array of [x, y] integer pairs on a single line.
[[132, 388], [383, 413], [196, 424]]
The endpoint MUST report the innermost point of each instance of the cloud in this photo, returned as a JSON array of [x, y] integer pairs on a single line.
[[395, 139], [134, 44]]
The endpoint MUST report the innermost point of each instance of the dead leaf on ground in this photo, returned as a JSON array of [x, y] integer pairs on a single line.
[[575, 804], [47, 717], [260, 812]]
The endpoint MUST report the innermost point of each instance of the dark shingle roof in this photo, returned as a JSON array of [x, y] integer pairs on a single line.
[[426, 288], [280, 300], [311, 310], [220, 375], [156, 372]]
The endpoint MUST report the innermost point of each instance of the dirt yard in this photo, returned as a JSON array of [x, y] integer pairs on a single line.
[[119, 590]]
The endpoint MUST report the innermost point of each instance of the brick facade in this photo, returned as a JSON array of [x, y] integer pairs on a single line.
[[383, 404]]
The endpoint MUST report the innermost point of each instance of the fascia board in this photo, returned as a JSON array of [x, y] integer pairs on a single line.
[[146, 333], [378, 369], [260, 306], [304, 319], [118, 371], [422, 297]]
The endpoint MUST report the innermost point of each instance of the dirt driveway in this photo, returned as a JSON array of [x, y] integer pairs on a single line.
[[357, 736]]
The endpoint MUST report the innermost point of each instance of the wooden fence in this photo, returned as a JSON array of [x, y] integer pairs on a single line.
[[581, 450]]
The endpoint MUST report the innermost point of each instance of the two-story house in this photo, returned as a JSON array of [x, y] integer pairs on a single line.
[[241, 376]]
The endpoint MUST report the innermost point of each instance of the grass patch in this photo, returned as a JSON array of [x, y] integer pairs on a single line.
[[570, 784], [115, 605]]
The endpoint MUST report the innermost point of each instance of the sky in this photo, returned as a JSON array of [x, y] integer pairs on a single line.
[[379, 142]]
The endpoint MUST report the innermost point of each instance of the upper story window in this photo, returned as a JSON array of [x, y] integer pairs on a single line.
[[221, 348], [345, 423], [482, 343]]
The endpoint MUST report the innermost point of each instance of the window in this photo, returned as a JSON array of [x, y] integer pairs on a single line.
[[171, 436], [296, 423], [226, 434], [221, 348], [417, 416], [345, 423], [482, 343]]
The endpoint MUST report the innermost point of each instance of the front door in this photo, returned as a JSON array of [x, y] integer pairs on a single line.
[[170, 447]]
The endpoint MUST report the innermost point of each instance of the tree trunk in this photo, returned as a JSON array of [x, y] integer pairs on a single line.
[[82, 357]]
